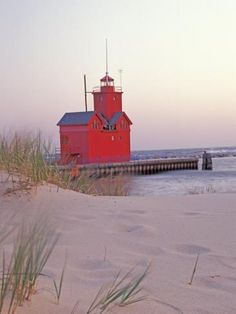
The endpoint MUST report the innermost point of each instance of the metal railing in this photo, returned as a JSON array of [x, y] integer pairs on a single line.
[[97, 89]]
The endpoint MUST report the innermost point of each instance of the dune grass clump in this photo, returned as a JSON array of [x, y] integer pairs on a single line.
[[116, 185], [32, 247], [25, 155], [122, 291], [106, 186], [24, 158]]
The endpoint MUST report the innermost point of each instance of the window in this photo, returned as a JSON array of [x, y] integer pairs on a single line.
[[123, 125], [95, 124]]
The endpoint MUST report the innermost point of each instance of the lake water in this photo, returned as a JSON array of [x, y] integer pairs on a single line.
[[222, 179]]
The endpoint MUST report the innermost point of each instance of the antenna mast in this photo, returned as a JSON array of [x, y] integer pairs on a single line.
[[85, 94], [106, 58], [120, 71]]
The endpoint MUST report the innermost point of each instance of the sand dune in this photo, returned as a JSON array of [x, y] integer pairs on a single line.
[[102, 235]]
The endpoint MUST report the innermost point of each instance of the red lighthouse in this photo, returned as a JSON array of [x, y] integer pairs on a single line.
[[98, 136]]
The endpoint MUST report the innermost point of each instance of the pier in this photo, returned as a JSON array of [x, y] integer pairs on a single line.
[[139, 167]]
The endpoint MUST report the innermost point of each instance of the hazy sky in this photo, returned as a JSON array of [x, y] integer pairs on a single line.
[[178, 59]]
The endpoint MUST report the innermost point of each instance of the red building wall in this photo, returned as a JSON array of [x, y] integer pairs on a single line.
[[91, 144], [74, 143], [109, 146]]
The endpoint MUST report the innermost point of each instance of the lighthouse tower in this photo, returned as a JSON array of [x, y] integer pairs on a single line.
[[107, 98], [98, 136]]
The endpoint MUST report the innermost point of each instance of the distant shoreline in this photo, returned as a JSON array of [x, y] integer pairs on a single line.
[[216, 152]]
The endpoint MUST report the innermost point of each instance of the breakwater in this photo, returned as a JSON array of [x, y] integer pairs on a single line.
[[139, 167]]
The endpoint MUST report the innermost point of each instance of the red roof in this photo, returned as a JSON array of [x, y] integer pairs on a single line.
[[107, 78]]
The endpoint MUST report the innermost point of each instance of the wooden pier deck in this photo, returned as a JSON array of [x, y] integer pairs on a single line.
[[138, 167]]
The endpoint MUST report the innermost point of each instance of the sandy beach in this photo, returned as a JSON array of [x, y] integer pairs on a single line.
[[101, 235]]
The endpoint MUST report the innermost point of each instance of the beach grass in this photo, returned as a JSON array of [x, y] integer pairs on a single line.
[[112, 185], [106, 186], [24, 155], [194, 270], [58, 287], [123, 291], [33, 244]]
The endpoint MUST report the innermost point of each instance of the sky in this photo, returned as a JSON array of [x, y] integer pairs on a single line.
[[178, 61]]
